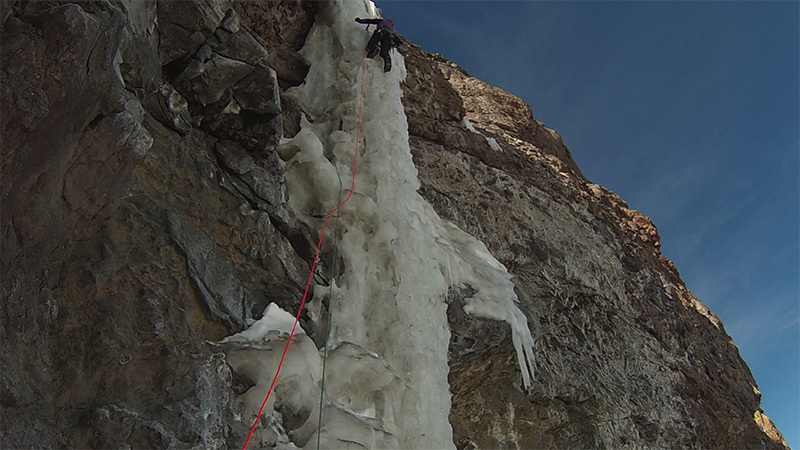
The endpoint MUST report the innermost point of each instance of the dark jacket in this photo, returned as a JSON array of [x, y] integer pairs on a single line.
[[381, 23], [383, 40]]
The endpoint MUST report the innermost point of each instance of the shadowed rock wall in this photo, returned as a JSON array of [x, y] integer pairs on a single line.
[[144, 214]]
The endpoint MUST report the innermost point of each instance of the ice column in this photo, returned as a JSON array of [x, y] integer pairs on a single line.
[[386, 384]]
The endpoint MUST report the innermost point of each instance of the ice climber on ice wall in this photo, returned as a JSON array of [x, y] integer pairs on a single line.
[[378, 377], [384, 38]]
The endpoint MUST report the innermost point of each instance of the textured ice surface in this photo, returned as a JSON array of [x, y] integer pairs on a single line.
[[386, 376], [274, 321]]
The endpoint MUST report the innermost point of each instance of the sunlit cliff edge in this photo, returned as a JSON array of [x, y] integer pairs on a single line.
[[164, 165]]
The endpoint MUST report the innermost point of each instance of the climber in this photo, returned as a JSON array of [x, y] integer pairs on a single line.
[[385, 37]]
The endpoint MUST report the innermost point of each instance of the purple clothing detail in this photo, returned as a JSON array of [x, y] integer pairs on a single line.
[[386, 24]]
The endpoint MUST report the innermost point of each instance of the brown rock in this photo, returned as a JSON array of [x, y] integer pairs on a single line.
[[282, 26], [126, 245], [627, 356]]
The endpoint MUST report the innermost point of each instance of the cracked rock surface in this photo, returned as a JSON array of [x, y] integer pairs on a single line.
[[626, 355], [144, 214]]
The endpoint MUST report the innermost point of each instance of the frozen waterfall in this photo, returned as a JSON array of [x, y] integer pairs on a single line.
[[386, 377]]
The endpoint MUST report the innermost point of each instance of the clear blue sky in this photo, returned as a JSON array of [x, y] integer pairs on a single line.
[[689, 111]]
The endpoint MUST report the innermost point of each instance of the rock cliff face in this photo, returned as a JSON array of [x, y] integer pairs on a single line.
[[627, 355], [145, 215]]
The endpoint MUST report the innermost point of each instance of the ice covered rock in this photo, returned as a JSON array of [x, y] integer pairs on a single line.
[[118, 268], [398, 258]]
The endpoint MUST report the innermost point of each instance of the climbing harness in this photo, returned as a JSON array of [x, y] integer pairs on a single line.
[[313, 266]]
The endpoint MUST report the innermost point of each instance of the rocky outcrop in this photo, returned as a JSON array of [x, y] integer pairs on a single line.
[[282, 26], [626, 354], [144, 214]]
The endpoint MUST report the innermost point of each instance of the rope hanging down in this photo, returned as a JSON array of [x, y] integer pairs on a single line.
[[329, 321], [316, 258]]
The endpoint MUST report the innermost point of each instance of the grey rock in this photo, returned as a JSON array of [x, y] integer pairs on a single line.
[[261, 184], [203, 53], [207, 406], [123, 251], [235, 161], [184, 26], [229, 59], [283, 27], [199, 398], [135, 137], [214, 280], [96, 177], [140, 65], [195, 68], [207, 82], [177, 43], [465, 329], [126, 245], [222, 35], [175, 108], [14, 391], [170, 108], [613, 323], [258, 133], [259, 92], [5, 10], [232, 22], [71, 137], [241, 46]]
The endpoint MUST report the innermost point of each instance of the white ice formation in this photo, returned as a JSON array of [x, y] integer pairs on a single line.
[[386, 375], [467, 125]]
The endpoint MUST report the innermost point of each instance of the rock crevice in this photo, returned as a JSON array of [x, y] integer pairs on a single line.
[[145, 214]]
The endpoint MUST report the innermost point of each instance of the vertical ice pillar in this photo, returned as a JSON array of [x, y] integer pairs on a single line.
[[387, 384]]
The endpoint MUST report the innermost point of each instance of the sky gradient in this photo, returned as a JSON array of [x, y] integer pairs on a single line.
[[690, 112]]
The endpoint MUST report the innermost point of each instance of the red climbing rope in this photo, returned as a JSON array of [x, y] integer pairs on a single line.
[[316, 256]]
